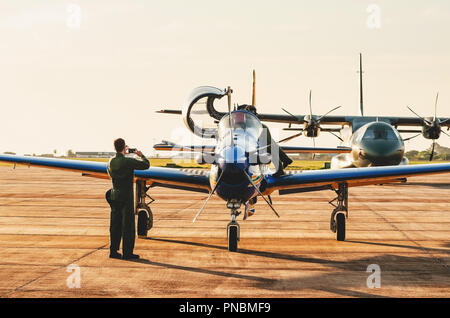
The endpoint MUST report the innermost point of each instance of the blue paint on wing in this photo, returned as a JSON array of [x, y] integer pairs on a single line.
[[81, 165], [358, 174], [155, 173]]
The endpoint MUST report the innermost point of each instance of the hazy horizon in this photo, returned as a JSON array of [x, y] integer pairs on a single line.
[[77, 74]]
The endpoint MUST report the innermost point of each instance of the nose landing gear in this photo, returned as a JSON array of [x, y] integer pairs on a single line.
[[233, 232], [233, 228]]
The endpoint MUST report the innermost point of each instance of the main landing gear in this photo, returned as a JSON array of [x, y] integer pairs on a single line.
[[340, 212], [233, 229], [142, 209]]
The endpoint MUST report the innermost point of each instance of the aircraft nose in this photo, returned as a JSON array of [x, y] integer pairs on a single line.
[[382, 152], [233, 155], [380, 148], [233, 163]]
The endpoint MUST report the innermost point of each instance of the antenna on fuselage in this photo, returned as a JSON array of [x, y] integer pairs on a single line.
[[361, 104]]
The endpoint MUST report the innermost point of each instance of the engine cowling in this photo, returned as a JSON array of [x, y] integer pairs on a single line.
[[431, 131]]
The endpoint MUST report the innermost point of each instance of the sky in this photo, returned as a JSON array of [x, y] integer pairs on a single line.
[[78, 74]]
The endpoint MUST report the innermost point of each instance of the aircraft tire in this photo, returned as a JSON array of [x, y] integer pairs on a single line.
[[232, 238], [145, 222], [340, 226]]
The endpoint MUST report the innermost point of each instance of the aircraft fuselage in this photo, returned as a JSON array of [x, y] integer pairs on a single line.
[[373, 144]]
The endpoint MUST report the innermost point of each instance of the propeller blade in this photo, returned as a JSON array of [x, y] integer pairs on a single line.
[[426, 121], [254, 89], [209, 197], [291, 137], [435, 106], [432, 150], [445, 133], [310, 106], [443, 122], [336, 136], [318, 121], [412, 137], [314, 145], [290, 114], [259, 192], [229, 112]]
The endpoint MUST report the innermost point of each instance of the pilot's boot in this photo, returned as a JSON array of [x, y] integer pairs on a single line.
[[249, 208], [284, 158], [287, 162]]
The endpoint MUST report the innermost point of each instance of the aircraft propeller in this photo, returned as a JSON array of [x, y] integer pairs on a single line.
[[432, 128], [209, 197], [311, 122], [259, 192]]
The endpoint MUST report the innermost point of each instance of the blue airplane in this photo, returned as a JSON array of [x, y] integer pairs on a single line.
[[240, 170]]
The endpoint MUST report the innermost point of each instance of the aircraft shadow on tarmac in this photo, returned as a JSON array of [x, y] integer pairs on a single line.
[[399, 270]]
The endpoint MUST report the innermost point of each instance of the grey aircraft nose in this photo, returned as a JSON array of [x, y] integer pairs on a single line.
[[382, 152]]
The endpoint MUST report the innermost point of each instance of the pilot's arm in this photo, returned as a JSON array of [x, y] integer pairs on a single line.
[[139, 164]]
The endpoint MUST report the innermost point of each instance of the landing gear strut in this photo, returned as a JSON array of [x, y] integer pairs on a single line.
[[142, 209], [233, 229], [340, 212]]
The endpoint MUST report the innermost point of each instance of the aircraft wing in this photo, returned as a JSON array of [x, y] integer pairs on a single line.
[[201, 148], [333, 120], [170, 111], [175, 147], [288, 149], [343, 120], [328, 179], [277, 118], [155, 176]]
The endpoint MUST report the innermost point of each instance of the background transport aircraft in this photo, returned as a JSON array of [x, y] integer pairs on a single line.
[[240, 171], [375, 141]]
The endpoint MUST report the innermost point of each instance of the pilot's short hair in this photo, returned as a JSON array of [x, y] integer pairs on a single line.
[[249, 108], [119, 144]]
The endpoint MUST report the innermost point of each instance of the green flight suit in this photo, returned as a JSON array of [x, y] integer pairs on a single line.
[[283, 158], [121, 199]]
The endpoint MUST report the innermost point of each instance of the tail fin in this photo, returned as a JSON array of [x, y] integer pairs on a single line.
[[361, 104]]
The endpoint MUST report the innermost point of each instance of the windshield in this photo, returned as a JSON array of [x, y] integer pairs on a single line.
[[380, 132], [241, 121]]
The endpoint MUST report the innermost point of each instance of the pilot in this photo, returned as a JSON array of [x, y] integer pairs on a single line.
[[121, 199], [283, 158]]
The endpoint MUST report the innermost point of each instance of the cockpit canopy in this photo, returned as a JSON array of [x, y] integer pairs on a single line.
[[242, 122], [376, 131], [380, 132], [198, 111]]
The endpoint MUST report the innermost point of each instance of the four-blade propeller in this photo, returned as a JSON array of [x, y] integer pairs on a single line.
[[311, 122], [432, 127]]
